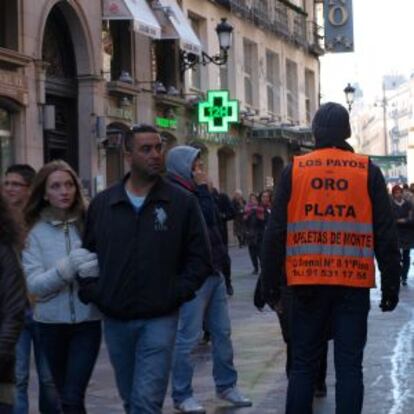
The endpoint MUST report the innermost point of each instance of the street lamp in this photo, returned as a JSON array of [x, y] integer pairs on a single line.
[[224, 33], [349, 95]]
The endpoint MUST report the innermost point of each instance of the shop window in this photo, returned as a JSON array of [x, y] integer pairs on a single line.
[[8, 24], [116, 49], [5, 140]]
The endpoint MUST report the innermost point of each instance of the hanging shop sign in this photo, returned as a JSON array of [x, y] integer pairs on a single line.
[[200, 132], [339, 26], [218, 112], [167, 123]]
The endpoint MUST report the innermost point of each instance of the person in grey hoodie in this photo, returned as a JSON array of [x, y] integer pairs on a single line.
[[185, 168], [70, 331]]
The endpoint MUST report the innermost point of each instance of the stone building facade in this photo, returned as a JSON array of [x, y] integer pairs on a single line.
[[75, 74]]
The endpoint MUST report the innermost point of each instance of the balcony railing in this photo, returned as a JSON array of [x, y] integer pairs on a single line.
[[276, 17]]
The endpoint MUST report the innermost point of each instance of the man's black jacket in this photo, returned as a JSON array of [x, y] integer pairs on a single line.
[[149, 262], [385, 236]]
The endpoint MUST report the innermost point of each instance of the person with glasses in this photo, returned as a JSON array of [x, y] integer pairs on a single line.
[[16, 191], [153, 255]]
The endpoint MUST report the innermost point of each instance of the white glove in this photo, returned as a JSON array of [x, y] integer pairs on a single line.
[[79, 256], [89, 269], [65, 269]]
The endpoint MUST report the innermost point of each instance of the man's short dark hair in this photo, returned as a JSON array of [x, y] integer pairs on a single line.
[[26, 171], [137, 129]]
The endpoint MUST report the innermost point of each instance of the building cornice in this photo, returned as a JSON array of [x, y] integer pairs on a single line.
[[14, 58]]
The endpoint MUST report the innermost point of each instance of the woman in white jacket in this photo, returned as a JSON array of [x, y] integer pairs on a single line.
[[70, 331]]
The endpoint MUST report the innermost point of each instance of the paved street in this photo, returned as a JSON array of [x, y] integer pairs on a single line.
[[260, 358]]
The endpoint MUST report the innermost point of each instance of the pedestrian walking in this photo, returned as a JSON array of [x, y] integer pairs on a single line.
[[12, 302], [330, 215], [403, 214], [238, 223], [16, 190], [69, 331], [254, 218], [185, 169], [225, 214], [153, 255]]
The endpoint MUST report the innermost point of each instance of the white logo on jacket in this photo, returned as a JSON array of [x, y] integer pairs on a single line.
[[160, 219]]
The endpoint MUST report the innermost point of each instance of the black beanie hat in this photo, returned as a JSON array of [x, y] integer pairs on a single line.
[[330, 124]]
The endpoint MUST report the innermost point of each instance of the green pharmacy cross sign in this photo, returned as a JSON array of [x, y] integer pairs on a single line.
[[218, 112]]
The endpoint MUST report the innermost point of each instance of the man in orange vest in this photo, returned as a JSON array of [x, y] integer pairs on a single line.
[[331, 215]]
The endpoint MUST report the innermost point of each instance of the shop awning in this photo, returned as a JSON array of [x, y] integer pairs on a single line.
[[137, 10], [175, 25]]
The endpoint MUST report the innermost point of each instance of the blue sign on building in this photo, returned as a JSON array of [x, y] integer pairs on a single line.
[[339, 26]]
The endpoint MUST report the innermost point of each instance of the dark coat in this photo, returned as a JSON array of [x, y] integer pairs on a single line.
[[150, 262], [13, 302], [211, 216], [385, 234], [405, 229]]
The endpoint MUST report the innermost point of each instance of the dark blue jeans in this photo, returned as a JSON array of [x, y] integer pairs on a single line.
[[48, 397], [6, 409], [141, 354], [346, 309], [71, 350]]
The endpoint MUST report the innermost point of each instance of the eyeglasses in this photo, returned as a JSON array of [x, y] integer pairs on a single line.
[[15, 184]]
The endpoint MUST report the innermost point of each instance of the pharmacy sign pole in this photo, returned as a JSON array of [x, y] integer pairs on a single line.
[[218, 112]]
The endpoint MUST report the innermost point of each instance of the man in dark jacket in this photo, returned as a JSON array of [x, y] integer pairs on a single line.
[[324, 249], [153, 255], [225, 213], [185, 169]]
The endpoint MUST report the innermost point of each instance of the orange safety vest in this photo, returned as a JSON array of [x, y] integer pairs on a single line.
[[330, 237]]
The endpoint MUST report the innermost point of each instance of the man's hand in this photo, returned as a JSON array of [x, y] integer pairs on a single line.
[[388, 302], [272, 298]]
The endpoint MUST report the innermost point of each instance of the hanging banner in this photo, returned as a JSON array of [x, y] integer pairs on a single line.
[[393, 167], [339, 26]]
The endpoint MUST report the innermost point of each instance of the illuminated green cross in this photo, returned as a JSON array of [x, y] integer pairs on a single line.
[[218, 111]]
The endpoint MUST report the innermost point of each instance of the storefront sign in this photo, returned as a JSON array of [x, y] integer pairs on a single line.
[[218, 112], [200, 132], [170, 123], [13, 85], [120, 113], [339, 31]]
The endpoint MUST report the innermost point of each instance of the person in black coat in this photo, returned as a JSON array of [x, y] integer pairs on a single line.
[[403, 213], [12, 303], [225, 213]]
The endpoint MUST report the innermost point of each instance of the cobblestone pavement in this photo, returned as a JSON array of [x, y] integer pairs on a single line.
[[260, 359]]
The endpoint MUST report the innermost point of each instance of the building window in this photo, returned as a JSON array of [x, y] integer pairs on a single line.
[[5, 140], [116, 49], [8, 24], [250, 59], [292, 91], [273, 82], [310, 101], [196, 73], [165, 63]]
